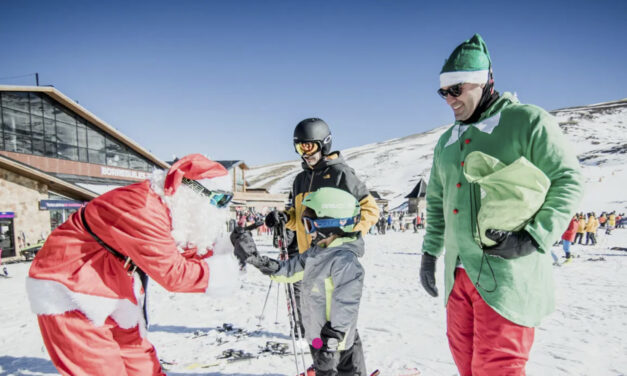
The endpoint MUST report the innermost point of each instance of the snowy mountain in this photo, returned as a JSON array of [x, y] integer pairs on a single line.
[[598, 132]]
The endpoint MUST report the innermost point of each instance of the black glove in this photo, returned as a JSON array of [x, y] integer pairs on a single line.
[[510, 245], [427, 274], [330, 337], [266, 265], [243, 244], [275, 217]]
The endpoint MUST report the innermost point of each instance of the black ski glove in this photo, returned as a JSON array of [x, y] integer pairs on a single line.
[[510, 245], [243, 244], [275, 217], [331, 338], [266, 265], [427, 274]]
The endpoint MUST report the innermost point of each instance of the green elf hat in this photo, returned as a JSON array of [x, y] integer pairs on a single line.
[[469, 62]]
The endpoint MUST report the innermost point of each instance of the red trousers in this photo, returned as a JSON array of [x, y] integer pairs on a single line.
[[78, 347], [482, 341]]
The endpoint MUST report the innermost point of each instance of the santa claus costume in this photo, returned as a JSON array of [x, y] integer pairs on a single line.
[[88, 300]]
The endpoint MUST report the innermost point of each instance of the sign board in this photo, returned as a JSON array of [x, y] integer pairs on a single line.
[[7, 214], [60, 204]]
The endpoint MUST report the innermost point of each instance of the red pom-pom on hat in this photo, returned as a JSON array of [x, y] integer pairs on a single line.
[[193, 167]]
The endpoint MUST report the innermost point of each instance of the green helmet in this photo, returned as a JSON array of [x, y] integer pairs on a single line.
[[335, 211]]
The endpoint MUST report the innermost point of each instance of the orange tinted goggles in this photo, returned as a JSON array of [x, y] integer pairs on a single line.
[[306, 148]]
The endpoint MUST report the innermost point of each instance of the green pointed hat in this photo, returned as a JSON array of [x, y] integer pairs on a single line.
[[469, 62]]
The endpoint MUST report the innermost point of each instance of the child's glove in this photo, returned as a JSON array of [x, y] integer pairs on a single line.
[[266, 265], [330, 337]]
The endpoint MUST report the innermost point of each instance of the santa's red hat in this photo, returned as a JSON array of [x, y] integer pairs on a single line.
[[193, 167]]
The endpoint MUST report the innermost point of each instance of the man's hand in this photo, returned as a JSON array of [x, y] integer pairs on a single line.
[[266, 265], [331, 338], [510, 245], [275, 217], [427, 274]]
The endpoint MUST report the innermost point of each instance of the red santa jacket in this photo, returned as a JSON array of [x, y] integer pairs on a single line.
[[72, 271], [570, 232]]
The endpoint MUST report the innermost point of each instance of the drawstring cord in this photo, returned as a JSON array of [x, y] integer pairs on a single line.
[[473, 215]]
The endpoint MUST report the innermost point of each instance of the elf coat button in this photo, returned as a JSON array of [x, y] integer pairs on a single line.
[[462, 163], [458, 185], [467, 141], [455, 211]]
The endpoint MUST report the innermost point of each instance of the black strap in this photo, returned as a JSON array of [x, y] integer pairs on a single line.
[[143, 277]]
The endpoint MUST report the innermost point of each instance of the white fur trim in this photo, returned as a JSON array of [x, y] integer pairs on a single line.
[[453, 78], [223, 275], [53, 298]]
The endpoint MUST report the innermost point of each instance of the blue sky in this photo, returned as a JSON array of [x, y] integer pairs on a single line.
[[231, 79]]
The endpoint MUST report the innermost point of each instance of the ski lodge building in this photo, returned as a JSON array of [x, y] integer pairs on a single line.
[[55, 156]]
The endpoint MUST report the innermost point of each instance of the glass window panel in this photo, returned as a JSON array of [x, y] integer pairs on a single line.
[[50, 149], [96, 156], [64, 115], [117, 159], [18, 143], [114, 147], [66, 133], [38, 147], [82, 155], [37, 126], [67, 152], [10, 141], [15, 100], [136, 163], [15, 121], [95, 140], [48, 107], [82, 137], [36, 106], [49, 129]]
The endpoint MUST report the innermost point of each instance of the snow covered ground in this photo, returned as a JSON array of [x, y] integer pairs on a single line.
[[401, 326]]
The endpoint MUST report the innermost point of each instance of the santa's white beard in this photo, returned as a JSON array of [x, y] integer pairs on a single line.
[[195, 222]]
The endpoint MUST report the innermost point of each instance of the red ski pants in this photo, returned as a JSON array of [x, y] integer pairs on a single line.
[[77, 347], [482, 341]]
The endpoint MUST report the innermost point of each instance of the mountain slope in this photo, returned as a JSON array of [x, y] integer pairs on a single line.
[[598, 133]]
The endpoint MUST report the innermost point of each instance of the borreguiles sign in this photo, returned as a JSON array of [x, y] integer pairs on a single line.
[[121, 173]]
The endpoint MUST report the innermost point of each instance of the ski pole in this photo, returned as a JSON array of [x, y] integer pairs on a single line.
[[294, 306], [263, 310]]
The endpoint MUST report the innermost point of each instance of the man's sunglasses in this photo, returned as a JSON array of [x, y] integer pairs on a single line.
[[312, 225], [455, 91], [217, 198]]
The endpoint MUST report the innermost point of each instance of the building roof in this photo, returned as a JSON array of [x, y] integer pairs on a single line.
[[375, 194], [93, 119], [420, 190], [233, 163], [55, 184]]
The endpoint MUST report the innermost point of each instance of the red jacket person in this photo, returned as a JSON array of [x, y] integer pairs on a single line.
[[88, 299]]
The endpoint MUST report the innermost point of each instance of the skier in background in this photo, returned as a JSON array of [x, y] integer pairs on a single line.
[[491, 316]]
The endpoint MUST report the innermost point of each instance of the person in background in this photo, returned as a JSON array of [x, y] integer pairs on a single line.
[[491, 317], [581, 229], [591, 229], [568, 237]]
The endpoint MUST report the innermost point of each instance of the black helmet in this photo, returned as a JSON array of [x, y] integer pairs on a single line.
[[314, 130]]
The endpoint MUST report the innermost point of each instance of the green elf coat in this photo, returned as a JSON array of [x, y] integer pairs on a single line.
[[521, 290]]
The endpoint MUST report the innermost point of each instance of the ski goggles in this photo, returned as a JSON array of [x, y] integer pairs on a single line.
[[455, 91], [313, 225], [306, 148], [217, 198]]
